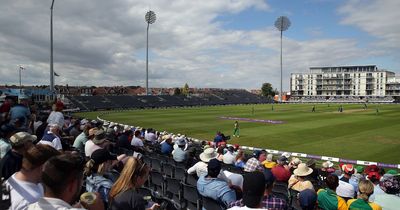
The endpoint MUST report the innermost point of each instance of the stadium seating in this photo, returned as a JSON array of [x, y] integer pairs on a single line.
[[212, 97], [191, 197], [211, 204]]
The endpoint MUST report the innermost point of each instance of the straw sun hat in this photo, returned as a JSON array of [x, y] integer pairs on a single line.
[[208, 154], [302, 170]]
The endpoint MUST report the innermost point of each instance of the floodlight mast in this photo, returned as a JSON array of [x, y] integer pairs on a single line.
[[20, 80], [282, 24], [150, 18], [51, 49]]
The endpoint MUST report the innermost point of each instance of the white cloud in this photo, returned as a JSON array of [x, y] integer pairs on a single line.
[[379, 18], [103, 43]]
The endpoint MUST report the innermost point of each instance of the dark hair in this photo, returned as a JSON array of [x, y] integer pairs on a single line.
[[60, 170], [213, 168], [86, 129], [231, 149], [332, 181], [38, 155], [220, 150], [213, 173], [137, 133], [257, 153]]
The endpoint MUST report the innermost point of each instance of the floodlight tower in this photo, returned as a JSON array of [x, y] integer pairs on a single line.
[[282, 24], [51, 48], [20, 81], [150, 18]]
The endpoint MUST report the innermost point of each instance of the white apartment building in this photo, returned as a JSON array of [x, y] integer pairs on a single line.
[[360, 81]]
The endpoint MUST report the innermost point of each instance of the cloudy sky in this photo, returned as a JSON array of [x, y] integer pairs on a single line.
[[207, 43]]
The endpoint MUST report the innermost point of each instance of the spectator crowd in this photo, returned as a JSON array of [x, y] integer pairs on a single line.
[[53, 161]]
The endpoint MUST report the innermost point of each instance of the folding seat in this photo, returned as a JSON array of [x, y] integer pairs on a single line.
[[157, 181], [173, 189], [147, 160], [180, 173], [168, 170], [191, 198], [163, 158], [211, 204], [226, 167], [236, 170], [171, 161], [156, 165], [191, 180], [180, 164]]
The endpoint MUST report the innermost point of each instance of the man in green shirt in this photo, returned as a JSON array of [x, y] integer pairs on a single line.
[[327, 198]]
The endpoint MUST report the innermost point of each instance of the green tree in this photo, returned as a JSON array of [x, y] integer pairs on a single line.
[[177, 91], [185, 89], [267, 90]]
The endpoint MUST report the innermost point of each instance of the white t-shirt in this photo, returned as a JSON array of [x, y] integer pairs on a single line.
[[56, 118], [47, 203], [236, 179], [56, 143], [200, 168], [136, 142], [90, 147], [228, 158], [23, 193], [151, 137]]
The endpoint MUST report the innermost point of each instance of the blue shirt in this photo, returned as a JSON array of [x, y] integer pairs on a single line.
[[97, 183], [217, 189], [20, 111], [218, 139], [179, 155], [166, 148]]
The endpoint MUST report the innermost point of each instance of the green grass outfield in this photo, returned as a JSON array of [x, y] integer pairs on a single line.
[[353, 134]]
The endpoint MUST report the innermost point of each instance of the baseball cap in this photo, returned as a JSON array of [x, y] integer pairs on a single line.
[[360, 169], [282, 160]]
